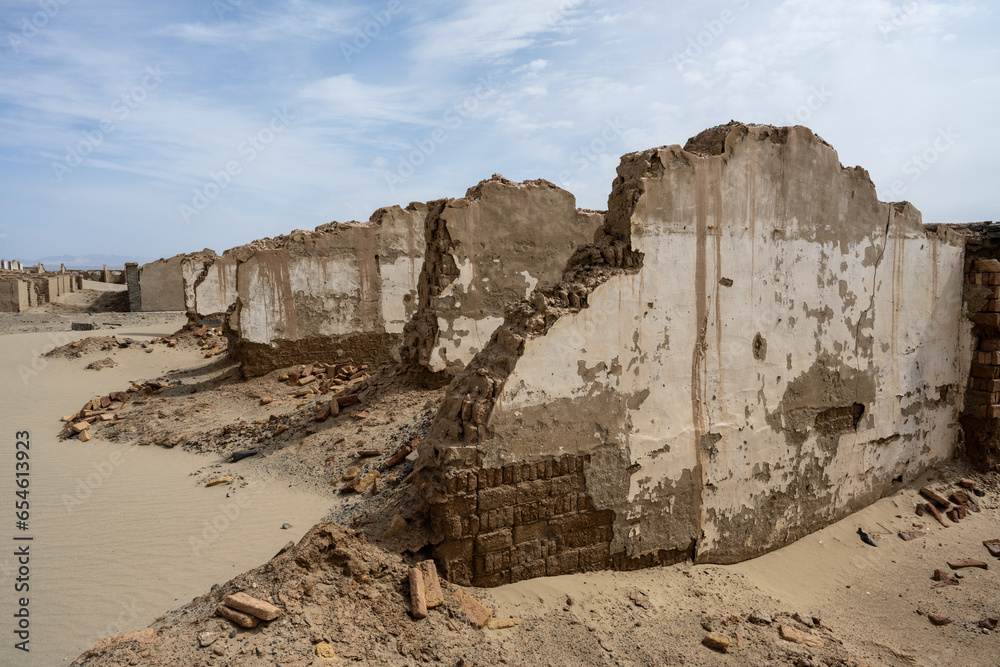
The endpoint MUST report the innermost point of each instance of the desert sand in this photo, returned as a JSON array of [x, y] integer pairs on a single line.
[[125, 557], [113, 525]]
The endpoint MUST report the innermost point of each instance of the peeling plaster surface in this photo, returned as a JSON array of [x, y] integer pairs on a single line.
[[461, 339], [506, 239], [401, 257], [770, 241], [217, 291], [343, 279]]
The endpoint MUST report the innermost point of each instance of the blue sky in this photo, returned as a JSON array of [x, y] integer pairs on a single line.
[[150, 129]]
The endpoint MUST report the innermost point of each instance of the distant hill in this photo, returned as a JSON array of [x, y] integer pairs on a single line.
[[114, 262]]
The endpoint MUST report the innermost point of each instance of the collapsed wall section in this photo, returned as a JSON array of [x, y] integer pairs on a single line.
[[981, 413], [485, 251], [782, 350]]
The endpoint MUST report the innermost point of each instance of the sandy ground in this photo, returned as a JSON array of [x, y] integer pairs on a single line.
[[121, 533], [346, 587]]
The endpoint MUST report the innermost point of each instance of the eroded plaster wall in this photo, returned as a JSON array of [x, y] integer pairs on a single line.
[[489, 249], [782, 350], [345, 289]]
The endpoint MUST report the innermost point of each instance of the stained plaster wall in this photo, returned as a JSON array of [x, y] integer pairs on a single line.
[[345, 289], [489, 249], [788, 351]]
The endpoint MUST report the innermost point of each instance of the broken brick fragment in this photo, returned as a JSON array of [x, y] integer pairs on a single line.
[[935, 497], [959, 564], [934, 512], [910, 535], [993, 546], [418, 598]]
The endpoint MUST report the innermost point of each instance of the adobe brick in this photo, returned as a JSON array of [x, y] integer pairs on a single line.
[[530, 492], [982, 384], [490, 563], [530, 532], [583, 521], [988, 358], [989, 344], [525, 553], [461, 505], [987, 319], [470, 526], [993, 412], [566, 484], [986, 265], [980, 371], [451, 527], [564, 563], [499, 539], [595, 557], [500, 496], [513, 472]]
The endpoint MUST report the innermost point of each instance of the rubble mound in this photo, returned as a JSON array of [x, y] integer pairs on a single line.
[[88, 346], [336, 591]]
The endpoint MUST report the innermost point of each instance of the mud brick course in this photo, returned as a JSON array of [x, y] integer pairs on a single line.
[[502, 525]]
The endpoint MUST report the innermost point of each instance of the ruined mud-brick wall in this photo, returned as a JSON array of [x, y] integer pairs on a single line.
[[485, 251], [343, 290], [132, 283], [14, 295], [754, 348], [161, 284], [981, 414]]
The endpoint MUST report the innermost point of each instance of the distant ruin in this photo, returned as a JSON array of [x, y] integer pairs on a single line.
[[747, 346]]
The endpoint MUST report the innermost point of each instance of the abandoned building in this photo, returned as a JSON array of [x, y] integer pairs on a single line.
[[746, 346]]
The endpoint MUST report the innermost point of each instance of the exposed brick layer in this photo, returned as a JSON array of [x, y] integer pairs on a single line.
[[521, 521], [981, 415], [257, 359]]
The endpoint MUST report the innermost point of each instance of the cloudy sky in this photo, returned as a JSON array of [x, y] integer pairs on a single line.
[[148, 129]]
